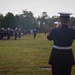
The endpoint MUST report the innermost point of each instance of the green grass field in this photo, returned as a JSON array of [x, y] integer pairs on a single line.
[[26, 56]]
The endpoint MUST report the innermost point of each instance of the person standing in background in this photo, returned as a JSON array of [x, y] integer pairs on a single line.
[[34, 32]]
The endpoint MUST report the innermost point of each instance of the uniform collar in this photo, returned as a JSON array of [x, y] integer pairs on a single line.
[[64, 26]]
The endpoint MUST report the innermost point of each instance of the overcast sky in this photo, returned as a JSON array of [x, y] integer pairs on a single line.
[[52, 7]]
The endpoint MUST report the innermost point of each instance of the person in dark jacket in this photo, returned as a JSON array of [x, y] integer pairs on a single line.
[[8, 33], [16, 33], [61, 57], [34, 32]]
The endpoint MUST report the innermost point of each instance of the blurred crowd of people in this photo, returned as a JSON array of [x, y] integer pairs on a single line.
[[16, 33], [9, 33]]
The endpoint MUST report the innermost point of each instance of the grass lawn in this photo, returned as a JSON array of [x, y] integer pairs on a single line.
[[26, 56]]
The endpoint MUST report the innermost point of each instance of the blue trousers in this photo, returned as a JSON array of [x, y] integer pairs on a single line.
[[61, 71]]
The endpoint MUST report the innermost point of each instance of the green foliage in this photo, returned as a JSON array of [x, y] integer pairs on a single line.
[[27, 21], [9, 20]]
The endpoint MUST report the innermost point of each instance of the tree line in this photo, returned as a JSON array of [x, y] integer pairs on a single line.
[[27, 21]]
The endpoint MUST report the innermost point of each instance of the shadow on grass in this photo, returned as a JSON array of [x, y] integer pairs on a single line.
[[4, 72]]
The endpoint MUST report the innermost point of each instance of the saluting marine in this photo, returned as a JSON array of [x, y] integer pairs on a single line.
[[61, 58]]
